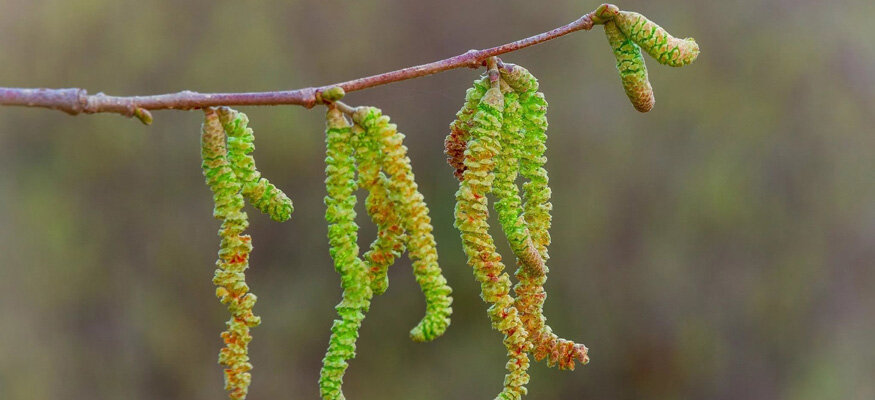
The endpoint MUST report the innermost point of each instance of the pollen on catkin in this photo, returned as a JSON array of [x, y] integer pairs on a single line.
[[233, 256], [258, 190], [656, 41], [630, 65], [414, 219], [342, 236], [471, 215]]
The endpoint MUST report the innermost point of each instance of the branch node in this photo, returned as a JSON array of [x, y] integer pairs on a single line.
[[604, 13], [474, 59], [328, 95], [309, 97]]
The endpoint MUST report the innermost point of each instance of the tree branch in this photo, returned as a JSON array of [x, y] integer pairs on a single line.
[[75, 101]]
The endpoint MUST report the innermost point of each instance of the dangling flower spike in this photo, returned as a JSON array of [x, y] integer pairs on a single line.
[[390, 234], [471, 215], [457, 140], [258, 190], [415, 220], [630, 65], [233, 256], [342, 236], [529, 239]]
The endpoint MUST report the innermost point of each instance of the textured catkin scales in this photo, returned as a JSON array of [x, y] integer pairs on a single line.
[[233, 256], [415, 221], [532, 116], [258, 190], [383, 211], [457, 141], [471, 219], [663, 47], [509, 204], [630, 65], [523, 142], [342, 235]]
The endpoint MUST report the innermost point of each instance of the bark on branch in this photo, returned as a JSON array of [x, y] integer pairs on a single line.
[[75, 101]]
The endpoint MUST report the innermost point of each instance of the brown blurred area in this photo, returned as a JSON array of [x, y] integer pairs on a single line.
[[721, 246]]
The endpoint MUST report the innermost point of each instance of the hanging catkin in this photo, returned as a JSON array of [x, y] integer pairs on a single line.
[[524, 141], [383, 211], [471, 219], [342, 236], [258, 190], [415, 221], [233, 256], [630, 65], [456, 141]]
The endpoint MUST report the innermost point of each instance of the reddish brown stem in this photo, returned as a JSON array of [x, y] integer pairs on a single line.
[[75, 101]]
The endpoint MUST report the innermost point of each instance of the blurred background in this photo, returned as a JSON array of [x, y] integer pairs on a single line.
[[721, 246]]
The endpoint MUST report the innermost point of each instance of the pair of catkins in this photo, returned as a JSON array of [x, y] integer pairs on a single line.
[[630, 32], [229, 169], [372, 147]]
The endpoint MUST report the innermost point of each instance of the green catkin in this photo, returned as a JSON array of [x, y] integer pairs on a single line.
[[532, 117], [630, 65], [509, 204], [456, 141], [258, 190], [523, 147], [342, 236], [663, 47], [471, 219], [415, 221], [390, 234], [233, 256]]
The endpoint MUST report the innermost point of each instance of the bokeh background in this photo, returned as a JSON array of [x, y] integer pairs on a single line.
[[721, 246]]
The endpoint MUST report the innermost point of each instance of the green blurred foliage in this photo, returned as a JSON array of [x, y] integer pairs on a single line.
[[720, 246]]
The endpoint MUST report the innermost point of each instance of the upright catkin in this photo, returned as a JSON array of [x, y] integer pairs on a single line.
[[342, 235], [523, 141], [391, 238], [471, 219], [415, 220], [233, 256], [258, 190]]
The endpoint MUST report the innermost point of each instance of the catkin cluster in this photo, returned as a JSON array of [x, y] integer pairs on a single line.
[[499, 135], [231, 175], [628, 33], [373, 147]]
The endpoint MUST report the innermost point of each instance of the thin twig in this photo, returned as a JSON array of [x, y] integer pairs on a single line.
[[75, 101]]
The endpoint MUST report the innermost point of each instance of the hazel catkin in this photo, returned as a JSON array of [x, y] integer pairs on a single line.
[[233, 256]]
